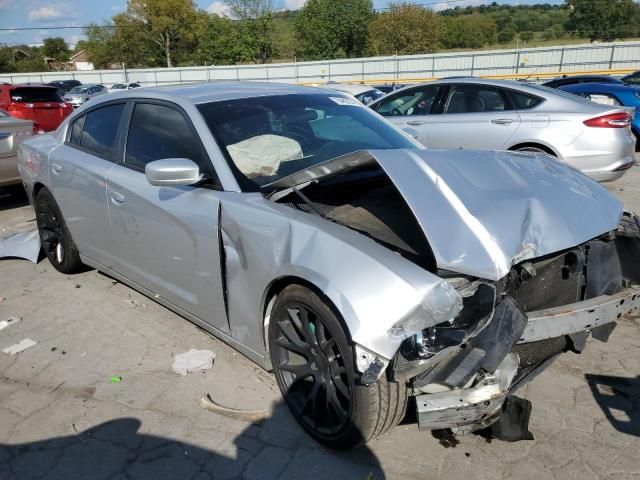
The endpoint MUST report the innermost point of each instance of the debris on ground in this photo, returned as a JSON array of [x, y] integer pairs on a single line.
[[513, 423], [252, 416], [20, 346], [115, 379], [8, 322], [21, 245], [193, 361]]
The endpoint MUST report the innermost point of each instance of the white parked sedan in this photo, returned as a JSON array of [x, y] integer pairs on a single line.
[[507, 115], [12, 132]]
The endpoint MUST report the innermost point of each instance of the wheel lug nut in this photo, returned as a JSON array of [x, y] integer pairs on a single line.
[[313, 351], [314, 366]]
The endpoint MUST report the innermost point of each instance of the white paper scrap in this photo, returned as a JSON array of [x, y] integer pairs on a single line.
[[8, 322], [193, 361], [20, 346]]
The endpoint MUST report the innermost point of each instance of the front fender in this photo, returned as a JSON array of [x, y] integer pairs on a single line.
[[382, 297]]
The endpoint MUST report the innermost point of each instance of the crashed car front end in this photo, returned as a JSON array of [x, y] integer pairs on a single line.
[[532, 256], [508, 331]]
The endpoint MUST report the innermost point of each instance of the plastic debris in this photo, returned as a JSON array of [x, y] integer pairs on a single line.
[[20, 346], [22, 245], [115, 379], [8, 322], [193, 361], [252, 416]]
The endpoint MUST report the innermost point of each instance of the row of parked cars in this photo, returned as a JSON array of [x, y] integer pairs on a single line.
[[334, 249]]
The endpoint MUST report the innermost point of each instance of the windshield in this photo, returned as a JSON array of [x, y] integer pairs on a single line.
[[79, 90], [118, 86], [268, 138], [370, 96]]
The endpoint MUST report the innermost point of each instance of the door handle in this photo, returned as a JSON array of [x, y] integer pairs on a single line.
[[56, 168], [502, 121], [117, 198], [416, 122]]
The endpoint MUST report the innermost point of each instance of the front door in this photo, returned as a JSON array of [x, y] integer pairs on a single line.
[[167, 237], [474, 117]]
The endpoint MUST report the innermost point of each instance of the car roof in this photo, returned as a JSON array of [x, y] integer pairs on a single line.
[[216, 91], [354, 89], [35, 85]]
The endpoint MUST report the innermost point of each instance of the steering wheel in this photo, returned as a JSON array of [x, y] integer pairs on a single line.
[[396, 112]]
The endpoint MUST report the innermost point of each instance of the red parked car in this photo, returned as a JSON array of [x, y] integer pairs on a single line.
[[41, 104]]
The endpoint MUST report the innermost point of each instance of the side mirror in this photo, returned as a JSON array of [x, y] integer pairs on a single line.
[[172, 172]]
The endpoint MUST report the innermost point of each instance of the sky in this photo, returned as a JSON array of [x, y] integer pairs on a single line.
[[41, 14]]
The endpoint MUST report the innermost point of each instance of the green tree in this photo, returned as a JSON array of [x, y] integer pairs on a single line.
[[254, 28], [469, 31], [333, 29], [506, 36], [405, 29], [526, 36], [167, 23], [603, 19], [56, 47]]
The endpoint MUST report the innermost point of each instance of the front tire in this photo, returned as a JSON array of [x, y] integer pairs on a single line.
[[314, 367], [54, 235]]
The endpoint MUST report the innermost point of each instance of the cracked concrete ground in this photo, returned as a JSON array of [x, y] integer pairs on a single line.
[[60, 417]]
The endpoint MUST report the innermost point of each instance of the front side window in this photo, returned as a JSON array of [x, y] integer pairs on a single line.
[[267, 138], [100, 129], [158, 132], [419, 101], [476, 99]]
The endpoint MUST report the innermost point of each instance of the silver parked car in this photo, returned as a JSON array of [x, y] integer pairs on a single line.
[[508, 115], [83, 93], [12, 132], [363, 93], [328, 246]]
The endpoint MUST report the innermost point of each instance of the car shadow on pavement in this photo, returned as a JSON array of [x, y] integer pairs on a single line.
[[12, 197], [117, 450], [619, 399]]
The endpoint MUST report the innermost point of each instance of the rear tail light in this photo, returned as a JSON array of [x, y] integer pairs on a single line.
[[613, 120], [37, 128]]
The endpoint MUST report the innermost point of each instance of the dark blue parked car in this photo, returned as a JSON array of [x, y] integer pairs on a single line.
[[611, 94]]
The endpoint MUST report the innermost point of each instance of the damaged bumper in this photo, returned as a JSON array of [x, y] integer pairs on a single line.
[[477, 404]]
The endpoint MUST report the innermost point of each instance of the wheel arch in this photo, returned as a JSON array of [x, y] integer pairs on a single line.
[[275, 289], [537, 144]]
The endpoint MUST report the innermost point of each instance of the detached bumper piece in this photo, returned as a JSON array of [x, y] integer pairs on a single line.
[[478, 405]]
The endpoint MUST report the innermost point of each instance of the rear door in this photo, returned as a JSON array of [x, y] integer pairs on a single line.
[[166, 238], [413, 108], [474, 116], [78, 171]]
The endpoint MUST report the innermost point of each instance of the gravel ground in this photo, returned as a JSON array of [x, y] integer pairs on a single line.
[[61, 417]]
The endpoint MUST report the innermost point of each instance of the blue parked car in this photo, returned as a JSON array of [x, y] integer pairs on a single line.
[[611, 94]]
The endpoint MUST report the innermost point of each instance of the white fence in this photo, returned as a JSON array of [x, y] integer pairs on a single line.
[[534, 62]]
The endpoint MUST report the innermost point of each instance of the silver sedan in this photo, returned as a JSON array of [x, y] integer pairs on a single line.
[[328, 246], [12, 132], [508, 115], [81, 94]]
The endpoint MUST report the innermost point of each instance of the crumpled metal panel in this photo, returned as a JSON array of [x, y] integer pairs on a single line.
[[21, 245], [373, 288], [485, 211]]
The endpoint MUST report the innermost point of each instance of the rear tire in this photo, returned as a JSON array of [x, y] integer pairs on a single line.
[[314, 367], [54, 235]]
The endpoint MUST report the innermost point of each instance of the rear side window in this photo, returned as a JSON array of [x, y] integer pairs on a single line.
[[523, 101], [158, 132], [35, 94], [100, 129]]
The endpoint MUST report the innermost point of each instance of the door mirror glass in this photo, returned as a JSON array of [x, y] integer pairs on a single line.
[[172, 172]]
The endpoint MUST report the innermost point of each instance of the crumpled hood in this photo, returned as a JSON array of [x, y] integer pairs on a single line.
[[485, 211]]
